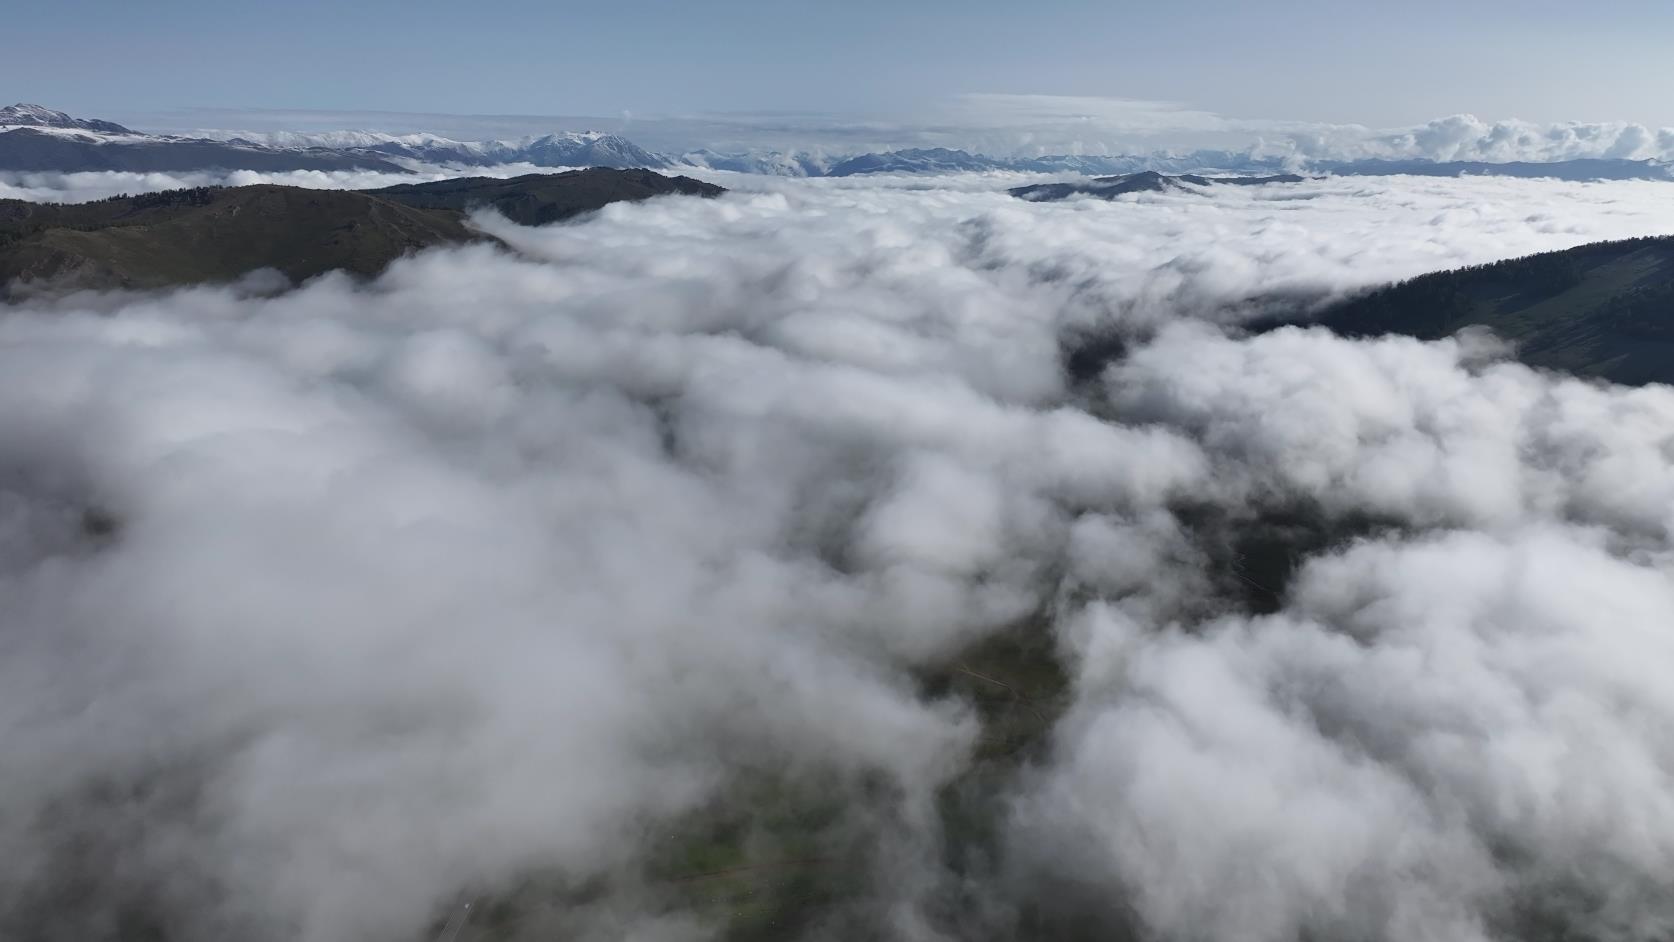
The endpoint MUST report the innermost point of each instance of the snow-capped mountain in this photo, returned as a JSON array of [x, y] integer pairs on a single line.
[[563, 149], [37, 139], [33, 138], [916, 160], [573, 149], [771, 163], [21, 115]]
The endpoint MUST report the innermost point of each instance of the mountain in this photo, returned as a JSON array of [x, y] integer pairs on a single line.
[[34, 149], [578, 149], [1147, 181], [1197, 161], [917, 160], [36, 139], [589, 149], [768, 163], [928, 160], [218, 234], [538, 199], [565, 149], [943, 160], [1603, 310], [21, 115], [209, 235]]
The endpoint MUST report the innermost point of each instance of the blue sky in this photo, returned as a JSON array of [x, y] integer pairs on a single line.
[[1381, 64]]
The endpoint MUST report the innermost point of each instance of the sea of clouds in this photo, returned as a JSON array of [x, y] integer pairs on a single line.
[[329, 610]]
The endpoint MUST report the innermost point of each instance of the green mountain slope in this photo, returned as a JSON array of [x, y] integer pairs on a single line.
[[1603, 310], [211, 235]]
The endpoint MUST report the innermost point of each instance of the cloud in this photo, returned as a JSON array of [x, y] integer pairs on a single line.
[[1045, 124], [1439, 737], [1465, 137], [507, 575]]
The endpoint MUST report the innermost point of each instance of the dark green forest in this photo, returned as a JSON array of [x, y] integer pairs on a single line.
[[1602, 310]]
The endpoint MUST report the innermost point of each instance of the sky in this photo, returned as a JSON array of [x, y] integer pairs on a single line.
[[1377, 64]]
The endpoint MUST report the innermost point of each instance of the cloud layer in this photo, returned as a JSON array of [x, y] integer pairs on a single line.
[[1032, 125], [491, 578]]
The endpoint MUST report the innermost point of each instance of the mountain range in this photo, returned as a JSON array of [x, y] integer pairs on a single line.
[[38, 139], [941, 160]]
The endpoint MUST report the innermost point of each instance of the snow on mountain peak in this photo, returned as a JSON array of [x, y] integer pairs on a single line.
[[557, 149], [38, 116]]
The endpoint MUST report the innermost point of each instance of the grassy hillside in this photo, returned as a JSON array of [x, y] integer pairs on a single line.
[[217, 235], [783, 854], [210, 235]]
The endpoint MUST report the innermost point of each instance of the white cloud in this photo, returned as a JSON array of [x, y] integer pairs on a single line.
[[501, 564]]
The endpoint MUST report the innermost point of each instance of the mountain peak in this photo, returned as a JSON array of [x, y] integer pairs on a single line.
[[1144, 181], [39, 116]]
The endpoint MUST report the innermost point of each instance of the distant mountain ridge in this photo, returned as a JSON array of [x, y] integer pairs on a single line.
[[1145, 181], [942, 160], [21, 115], [46, 150], [34, 138], [560, 149], [38, 139]]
